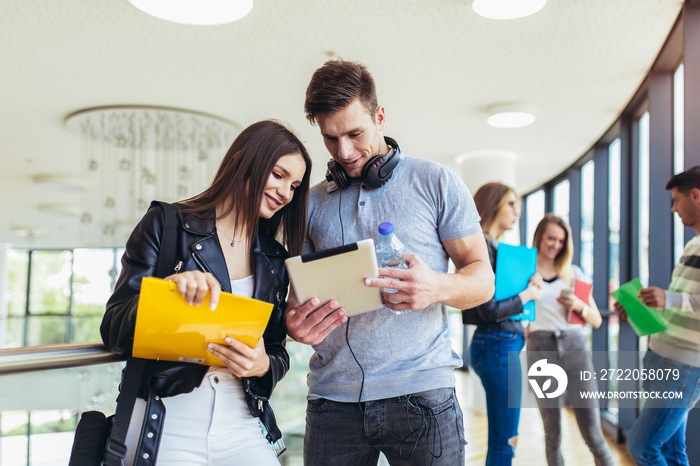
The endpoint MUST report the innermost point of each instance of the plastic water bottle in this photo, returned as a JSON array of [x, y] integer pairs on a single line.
[[390, 252]]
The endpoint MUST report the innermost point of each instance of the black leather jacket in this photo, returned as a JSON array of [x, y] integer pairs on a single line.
[[197, 248]]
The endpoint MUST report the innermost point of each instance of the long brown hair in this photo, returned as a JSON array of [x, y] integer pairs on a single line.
[[562, 263], [489, 200], [240, 181]]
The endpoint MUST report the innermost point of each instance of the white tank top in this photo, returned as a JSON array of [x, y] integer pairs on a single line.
[[243, 287]]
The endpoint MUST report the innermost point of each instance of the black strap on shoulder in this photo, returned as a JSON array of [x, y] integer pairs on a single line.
[[151, 431], [115, 448], [168, 246]]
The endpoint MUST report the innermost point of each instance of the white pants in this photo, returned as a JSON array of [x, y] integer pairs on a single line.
[[209, 426]]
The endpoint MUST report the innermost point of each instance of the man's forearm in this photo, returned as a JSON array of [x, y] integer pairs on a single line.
[[469, 286]]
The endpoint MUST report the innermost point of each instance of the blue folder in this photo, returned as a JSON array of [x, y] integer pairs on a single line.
[[514, 267]]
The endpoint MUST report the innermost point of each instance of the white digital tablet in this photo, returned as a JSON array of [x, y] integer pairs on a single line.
[[339, 274]]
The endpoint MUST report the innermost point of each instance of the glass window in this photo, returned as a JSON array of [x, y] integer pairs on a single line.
[[18, 264], [561, 199], [92, 286], [46, 329], [534, 205], [50, 275], [67, 293], [678, 154], [587, 193], [614, 205], [49, 298], [643, 212], [614, 157], [12, 325]]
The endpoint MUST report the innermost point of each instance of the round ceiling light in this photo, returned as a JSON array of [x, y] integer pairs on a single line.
[[507, 9], [510, 116], [196, 12]]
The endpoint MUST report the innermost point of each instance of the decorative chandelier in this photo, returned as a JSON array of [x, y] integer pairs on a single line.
[[134, 154]]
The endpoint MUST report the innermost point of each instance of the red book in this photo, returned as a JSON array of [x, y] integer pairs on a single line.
[[582, 290]]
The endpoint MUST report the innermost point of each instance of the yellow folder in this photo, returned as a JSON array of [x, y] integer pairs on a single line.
[[169, 329]]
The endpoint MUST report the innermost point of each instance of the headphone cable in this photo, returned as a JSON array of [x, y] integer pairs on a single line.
[[340, 216], [426, 421]]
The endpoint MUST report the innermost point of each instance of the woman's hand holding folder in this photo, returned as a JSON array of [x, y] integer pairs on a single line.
[[194, 286], [241, 359]]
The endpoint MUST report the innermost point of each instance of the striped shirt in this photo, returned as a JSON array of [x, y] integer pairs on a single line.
[[681, 340]]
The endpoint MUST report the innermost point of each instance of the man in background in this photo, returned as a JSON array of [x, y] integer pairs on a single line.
[[658, 434]]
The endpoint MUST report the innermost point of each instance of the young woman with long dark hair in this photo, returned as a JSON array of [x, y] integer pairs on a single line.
[[226, 240]]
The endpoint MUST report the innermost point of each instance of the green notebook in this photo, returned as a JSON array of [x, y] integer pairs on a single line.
[[643, 320]]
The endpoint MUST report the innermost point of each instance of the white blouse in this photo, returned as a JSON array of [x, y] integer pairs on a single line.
[[549, 314]]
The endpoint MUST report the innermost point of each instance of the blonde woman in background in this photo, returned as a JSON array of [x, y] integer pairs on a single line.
[[554, 337]]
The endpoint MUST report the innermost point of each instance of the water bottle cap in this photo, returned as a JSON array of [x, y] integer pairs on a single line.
[[386, 228]]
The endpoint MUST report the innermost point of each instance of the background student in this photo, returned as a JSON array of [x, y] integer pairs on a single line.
[[658, 435], [496, 336], [553, 336]]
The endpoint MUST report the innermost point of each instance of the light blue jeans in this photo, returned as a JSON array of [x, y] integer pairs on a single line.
[[657, 437], [419, 429], [490, 353]]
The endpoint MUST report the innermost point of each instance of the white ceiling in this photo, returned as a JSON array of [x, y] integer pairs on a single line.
[[436, 63]]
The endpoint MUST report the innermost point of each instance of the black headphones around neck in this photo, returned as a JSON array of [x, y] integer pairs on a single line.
[[376, 172]]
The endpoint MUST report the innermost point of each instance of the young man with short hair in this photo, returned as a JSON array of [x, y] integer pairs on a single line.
[[384, 382]]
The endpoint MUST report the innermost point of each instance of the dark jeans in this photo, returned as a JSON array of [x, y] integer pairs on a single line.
[[418, 429], [657, 436], [568, 350], [490, 353]]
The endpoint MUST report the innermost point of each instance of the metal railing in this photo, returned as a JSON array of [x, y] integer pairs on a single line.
[[39, 358]]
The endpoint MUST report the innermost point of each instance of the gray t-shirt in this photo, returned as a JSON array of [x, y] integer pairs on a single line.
[[400, 354]]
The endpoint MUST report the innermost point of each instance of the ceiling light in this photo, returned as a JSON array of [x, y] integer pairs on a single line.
[[507, 9], [196, 12], [510, 116]]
